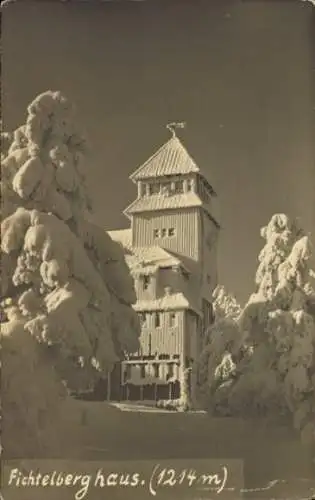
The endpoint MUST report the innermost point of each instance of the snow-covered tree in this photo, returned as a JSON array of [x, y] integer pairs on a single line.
[[279, 324], [221, 338], [274, 370], [65, 280], [32, 394], [225, 304]]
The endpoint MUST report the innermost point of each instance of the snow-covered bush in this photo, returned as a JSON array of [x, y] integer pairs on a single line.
[[170, 404], [65, 276]]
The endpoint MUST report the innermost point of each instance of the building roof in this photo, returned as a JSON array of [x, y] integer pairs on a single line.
[[168, 202], [163, 201], [145, 259], [122, 236], [150, 256], [170, 159], [170, 302]]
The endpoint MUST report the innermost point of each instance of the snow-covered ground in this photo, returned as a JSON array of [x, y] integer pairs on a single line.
[[143, 406], [275, 464], [109, 432]]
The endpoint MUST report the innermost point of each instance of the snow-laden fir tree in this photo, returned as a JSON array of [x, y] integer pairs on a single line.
[[66, 287], [279, 324], [274, 367], [221, 339]]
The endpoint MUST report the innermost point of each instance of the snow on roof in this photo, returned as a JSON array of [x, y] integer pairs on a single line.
[[122, 236], [151, 255], [146, 260], [160, 201], [168, 302], [141, 270], [170, 159]]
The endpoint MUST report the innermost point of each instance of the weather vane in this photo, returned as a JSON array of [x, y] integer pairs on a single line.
[[174, 125]]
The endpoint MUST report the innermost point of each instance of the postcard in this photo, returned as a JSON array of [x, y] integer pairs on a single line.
[[157, 250]]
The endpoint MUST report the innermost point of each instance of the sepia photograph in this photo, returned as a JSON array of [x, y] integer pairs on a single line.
[[157, 249]]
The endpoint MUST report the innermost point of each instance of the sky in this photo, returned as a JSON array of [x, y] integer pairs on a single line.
[[240, 74]]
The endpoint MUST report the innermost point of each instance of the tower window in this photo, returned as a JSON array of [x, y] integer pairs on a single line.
[[207, 312], [172, 319], [143, 319], [164, 356], [171, 231], [189, 184], [157, 320], [163, 233], [170, 371], [165, 188], [141, 189], [178, 187], [154, 188], [146, 282], [156, 368], [127, 373], [142, 371]]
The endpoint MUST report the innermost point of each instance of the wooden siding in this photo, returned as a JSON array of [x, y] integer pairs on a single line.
[[204, 193], [169, 277], [145, 294], [174, 279], [194, 343], [209, 256], [192, 335], [189, 285], [164, 339], [185, 223]]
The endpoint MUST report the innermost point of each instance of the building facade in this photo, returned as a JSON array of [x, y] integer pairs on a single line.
[[171, 250]]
